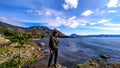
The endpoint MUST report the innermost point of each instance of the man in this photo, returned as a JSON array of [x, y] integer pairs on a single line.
[[53, 46]]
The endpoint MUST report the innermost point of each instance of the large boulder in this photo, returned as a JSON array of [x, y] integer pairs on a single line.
[[42, 45], [3, 41]]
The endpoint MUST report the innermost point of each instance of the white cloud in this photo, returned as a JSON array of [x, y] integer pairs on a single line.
[[87, 13], [113, 3], [108, 26], [71, 22], [12, 21], [45, 12], [103, 21], [92, 23], [48, 13], [70, 4], [74, 22], [113, 11]]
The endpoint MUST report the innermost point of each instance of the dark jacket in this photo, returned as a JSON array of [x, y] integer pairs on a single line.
[[53, 43]]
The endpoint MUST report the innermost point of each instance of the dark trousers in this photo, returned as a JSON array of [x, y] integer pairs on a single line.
[[55, 54]]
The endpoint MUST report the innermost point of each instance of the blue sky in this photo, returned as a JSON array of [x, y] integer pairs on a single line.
[[83, 17]]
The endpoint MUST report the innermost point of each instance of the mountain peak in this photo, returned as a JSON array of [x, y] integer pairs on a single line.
[[74, 35], [33, 29]]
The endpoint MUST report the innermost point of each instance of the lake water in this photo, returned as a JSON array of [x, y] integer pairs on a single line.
[[79, 50]]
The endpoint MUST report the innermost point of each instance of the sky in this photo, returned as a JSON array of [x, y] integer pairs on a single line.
[[83, 17]]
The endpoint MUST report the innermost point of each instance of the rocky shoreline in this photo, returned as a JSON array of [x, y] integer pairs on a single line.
[[36, 56], [26, 54], [71, 59], [96, 63], [29, 54], [42, 63]]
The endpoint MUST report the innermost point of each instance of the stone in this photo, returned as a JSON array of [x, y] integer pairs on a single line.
[[14, 53], [32, 48], [42, 45], [4, 42], [14, 44], [5, 54], [39, 49], [104, 56]]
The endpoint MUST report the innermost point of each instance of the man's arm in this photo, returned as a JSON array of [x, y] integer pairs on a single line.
[[51, 43]]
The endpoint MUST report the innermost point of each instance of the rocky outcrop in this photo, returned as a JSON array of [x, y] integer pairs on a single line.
[[4, 42], [104, 56], [96, 63]]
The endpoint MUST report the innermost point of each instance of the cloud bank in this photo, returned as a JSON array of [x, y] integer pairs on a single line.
[[113, 3], [70, 4]]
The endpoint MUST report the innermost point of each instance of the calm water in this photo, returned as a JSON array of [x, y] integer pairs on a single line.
[[79, 50]]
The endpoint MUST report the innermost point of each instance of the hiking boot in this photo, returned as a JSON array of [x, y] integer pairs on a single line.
[[55, 65]]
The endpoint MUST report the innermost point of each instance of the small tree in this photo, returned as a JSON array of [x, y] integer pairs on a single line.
[[21, 40]]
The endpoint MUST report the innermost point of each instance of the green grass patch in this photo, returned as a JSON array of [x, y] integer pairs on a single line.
[[7, 49], [12, 63], [3, 49], [31, 61]]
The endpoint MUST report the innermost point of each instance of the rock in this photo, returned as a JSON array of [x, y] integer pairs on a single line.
[[39, 49], [5, 54], [14, 44], [104, 56], [42, 45], [14, 53], [32, 48], [4, 42]]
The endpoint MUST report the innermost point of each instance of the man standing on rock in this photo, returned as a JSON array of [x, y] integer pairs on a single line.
[[53, 46]]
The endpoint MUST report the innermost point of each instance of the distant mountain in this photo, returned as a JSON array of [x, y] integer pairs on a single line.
[[74, 36], [43, 29], [39, 29], [102, 35], [5, 25], [33, 29]]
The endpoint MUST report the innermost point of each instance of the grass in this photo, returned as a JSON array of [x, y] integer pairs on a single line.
[[32, 60], [7, 49], [12, 63]]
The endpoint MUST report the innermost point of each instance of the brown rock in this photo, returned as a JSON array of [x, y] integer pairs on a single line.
[[104, 56], [42, 45]]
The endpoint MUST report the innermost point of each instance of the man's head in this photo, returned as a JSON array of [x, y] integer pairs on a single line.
[[55, 33]]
